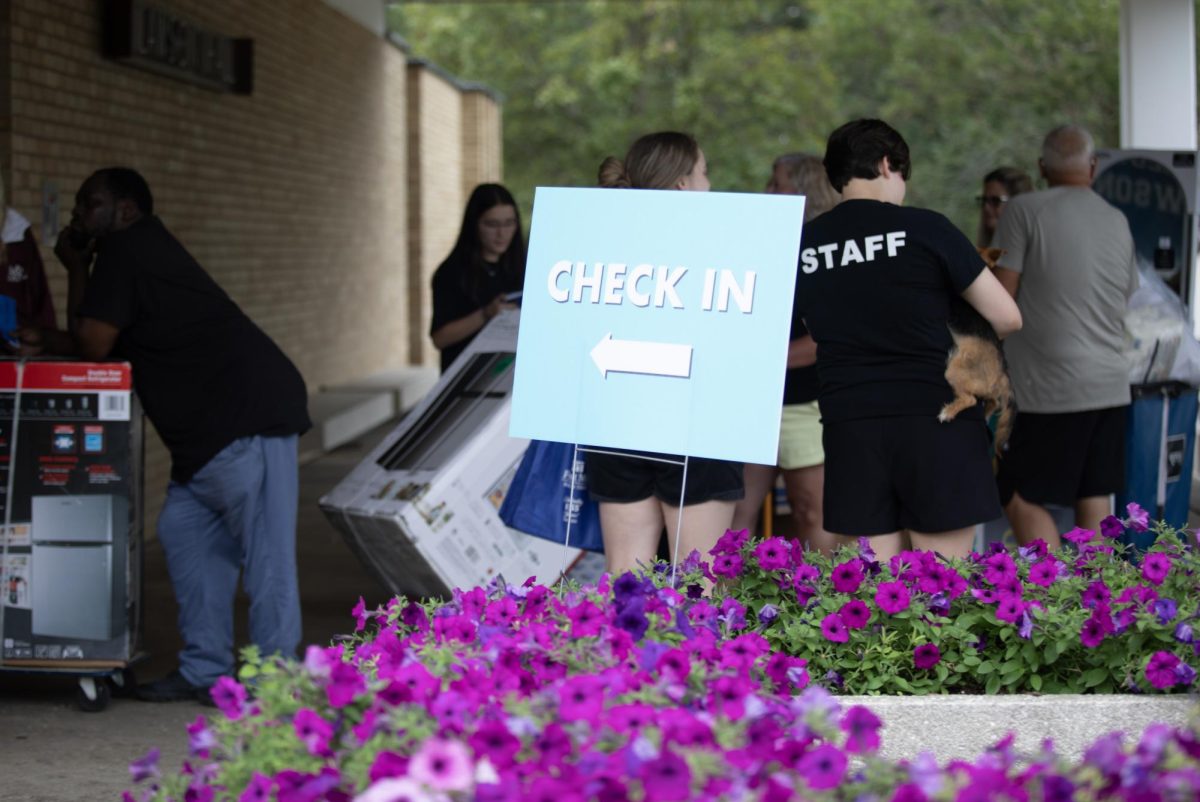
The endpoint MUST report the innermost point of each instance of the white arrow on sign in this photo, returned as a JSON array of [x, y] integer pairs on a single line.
[[647, 358]]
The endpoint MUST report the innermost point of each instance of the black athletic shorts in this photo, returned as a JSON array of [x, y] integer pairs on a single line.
[[627, 478], [887, 474], [1059, 458]]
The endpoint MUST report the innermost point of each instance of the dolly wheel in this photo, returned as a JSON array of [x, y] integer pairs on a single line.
[[93, 694], [123, 683]]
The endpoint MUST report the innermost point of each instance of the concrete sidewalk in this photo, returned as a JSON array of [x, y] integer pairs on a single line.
[[50, 751]]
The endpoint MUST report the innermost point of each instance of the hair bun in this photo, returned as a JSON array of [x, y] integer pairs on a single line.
[[612, 173]]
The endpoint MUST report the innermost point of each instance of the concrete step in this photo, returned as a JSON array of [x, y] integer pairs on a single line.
[[341, 416], [408, 384]]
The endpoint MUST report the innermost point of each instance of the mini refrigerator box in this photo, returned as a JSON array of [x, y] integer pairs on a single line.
[[70, 511], [422, 509]]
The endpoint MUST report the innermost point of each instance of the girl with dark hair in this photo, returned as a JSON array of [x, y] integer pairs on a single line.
[[998, 186], [481, 276], [640, 493]]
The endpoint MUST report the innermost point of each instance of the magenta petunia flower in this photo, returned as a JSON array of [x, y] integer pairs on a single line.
[[834, 629], [1160, 670], [1079, 536], [862, 729], [675, 664], [230, 697], [581, 698], [727, 565], [493, 741], [394, 789], [773, 554], [666, 777], [892, 597], [1044, 572], [926, 656], [345, 683], [855, 614], [313, 731], [1095, 595], [1009, 608], [360, 615], [586, 619], [846, 577], [1111, 527], [258, 789], [998, 568], [442, 765], [1139, 519], [1155, 568], [823, 767], [1092, 633]]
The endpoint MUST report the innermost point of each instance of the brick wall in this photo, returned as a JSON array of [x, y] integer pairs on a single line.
[[435, 196], [481, 140], [294, 198]]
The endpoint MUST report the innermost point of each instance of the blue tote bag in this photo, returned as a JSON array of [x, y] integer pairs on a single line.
[[539, 500]]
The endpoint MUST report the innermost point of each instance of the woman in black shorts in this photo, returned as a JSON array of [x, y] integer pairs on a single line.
[[639, 493], [875, 286]]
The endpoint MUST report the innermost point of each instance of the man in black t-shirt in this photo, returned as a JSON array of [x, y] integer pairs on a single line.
[[874, 287], [227, 403]]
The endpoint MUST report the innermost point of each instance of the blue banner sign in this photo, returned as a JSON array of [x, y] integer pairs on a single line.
[[657, 320]]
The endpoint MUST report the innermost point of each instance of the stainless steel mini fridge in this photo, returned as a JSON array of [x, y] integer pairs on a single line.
[[78, 565]]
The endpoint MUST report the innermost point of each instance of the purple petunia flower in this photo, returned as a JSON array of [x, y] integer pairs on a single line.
[[823, 767], [926, 656], [1139, 519], [1185, 674], [862, 729], [767, 613], [313, 731], [1183, 632], [1166, 610], [1056, 788], [1155, 568], [855, 614], [1025, 630], [258, 789], [773, 554], [145, 767], [200, 738], [1095, 595], [442, 765], [834, 629], [1160, 670], [846, 577], [360, 615], [1111, 527], [632, 619], [892, 597]]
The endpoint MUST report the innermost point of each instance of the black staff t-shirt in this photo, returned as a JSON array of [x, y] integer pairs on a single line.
[[205, 374], [800, 385], [459, 290], [874, 287]]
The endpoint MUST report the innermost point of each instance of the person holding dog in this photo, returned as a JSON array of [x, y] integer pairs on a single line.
[[1069, 262], [875, 286]]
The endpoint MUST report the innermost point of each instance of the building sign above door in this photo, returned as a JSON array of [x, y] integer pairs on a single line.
[[153, 38]]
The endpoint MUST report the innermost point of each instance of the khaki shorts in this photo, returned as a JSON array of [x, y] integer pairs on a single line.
[[800, 436]]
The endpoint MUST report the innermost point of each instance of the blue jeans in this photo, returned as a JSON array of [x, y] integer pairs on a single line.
[[238, 512]]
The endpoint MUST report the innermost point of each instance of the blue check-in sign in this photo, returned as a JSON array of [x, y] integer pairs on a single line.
[[657, 321]]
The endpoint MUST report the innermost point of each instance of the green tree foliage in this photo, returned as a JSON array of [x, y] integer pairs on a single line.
[[972, 84]]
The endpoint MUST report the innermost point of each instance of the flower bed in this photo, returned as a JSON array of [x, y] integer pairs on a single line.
[[637, 690], [1079, 620]]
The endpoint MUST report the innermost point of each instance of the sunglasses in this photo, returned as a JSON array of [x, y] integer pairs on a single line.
[[995, 201]]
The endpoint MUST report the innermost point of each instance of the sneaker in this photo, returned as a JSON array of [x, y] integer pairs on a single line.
[[172, 688]]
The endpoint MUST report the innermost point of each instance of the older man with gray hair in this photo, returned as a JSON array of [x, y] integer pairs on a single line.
[[1069, 263]]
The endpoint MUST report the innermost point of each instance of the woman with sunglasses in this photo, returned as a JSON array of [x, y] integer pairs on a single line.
[[481, 275], [998, 186]]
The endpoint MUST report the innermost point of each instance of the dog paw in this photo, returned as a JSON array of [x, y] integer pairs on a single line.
[[945, 417]]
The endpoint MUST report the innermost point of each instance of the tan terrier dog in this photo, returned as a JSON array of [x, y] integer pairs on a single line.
[[975, 368]]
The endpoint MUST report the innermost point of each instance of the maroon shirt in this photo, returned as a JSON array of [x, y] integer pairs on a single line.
[[23, 279]]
